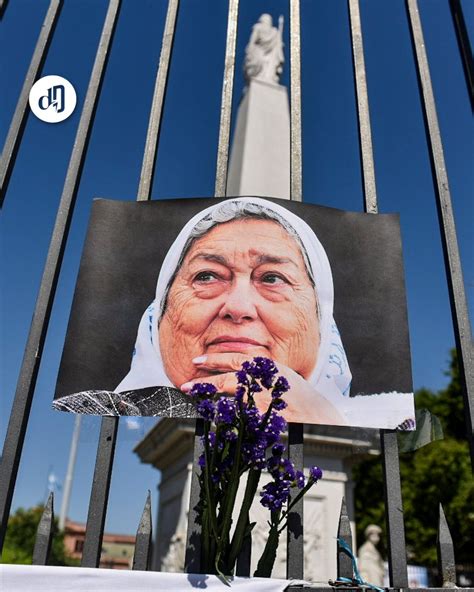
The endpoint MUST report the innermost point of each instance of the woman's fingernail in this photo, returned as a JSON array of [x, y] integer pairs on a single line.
[[187, 386], [199, 360]]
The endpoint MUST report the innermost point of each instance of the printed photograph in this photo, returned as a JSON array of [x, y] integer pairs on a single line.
[[181, 292]]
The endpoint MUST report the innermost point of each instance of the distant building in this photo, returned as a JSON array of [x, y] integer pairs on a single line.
[[117, 549]]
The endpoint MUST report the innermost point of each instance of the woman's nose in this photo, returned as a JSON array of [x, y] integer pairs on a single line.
[[239, 305]]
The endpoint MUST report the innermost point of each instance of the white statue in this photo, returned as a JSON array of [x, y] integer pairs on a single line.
[[370, 561], [264, 53]]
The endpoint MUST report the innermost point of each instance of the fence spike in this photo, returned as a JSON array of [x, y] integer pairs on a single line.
[[141, 557], [192, 561], [44, 534], [344, 532], [444, 544]]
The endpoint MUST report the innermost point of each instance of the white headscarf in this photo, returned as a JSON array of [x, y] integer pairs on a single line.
[[331, 376]]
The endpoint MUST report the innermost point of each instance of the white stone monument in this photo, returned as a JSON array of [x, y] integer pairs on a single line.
[[259, 166], [260, 154]]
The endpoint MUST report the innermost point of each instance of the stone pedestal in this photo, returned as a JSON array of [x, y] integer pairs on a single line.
[[260, 156], [169, 447]]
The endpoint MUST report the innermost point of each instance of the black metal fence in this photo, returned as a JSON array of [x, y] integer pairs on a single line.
[[108, 434]]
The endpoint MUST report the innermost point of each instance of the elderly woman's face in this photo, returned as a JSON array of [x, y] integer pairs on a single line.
[[243, 287]]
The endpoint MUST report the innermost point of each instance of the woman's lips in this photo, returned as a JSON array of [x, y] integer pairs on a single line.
[[229, 343]]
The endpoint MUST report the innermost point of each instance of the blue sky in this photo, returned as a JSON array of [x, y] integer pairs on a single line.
[[186, 168]]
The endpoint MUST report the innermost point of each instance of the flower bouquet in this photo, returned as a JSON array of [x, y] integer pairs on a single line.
[[239, 438]]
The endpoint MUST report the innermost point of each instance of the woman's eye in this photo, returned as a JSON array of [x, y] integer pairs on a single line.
[[273, 279], [205, 277]]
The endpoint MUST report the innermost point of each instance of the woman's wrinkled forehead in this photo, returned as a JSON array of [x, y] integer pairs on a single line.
[[256, 240]]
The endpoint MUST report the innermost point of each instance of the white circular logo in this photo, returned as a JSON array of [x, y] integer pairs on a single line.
[[52, 99]]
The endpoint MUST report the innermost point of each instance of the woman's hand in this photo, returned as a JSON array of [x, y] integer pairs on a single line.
[[305, 404]]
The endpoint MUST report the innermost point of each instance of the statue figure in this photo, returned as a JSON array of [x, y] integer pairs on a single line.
[[264, 52], [370, 561]]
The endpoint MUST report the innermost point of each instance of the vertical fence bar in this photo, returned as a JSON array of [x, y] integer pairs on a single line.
[[295, 543], [460, 315], [390, 461], [153, 133], [295, 547], [464, 46], [295, 102], [29, 369], [226, 102], [17, 125], [365, 133], [397, 565], [109, 428], [44, 534], [100, 492], [141, 556]]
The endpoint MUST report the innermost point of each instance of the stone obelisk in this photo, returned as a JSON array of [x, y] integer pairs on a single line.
[[260, 154]]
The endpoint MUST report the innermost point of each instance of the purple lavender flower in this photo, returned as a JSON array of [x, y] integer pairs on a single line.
[[273, 464], [202, 460], [229, 434], [278, 449], [288, 469], [239, 393], [281, 386], [206, 409], [202, 390], [274, 496], [211, 438], [255, 387], [274, 427], [315, 473], [300, 480], [265, 370], [241, 376], [254, 451], [253, 419], [226, 410], [279, 404]]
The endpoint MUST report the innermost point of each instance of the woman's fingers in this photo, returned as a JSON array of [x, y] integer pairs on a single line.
[[224, 383]]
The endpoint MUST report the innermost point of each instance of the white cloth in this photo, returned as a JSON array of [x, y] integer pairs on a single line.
[[38, 578]]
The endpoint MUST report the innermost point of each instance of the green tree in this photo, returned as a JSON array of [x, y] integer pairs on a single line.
[[20, 539], [437, 473]]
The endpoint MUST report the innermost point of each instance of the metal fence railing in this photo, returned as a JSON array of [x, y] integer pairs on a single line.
[[108, 434]]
